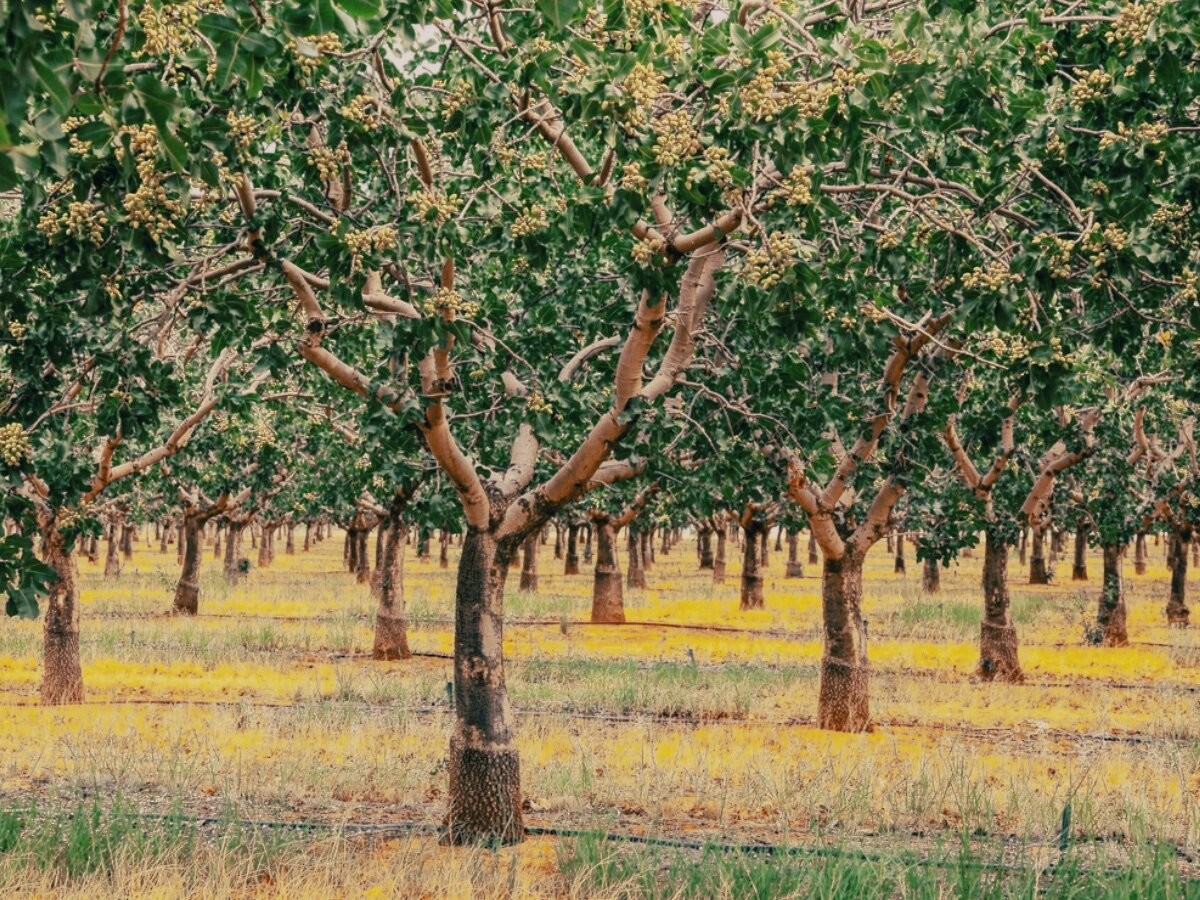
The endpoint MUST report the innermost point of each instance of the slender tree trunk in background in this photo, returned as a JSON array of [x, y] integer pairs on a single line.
[[254, 537], [529, 574], [558, 541], [779, 539], [1139, 553], [635, 576], [1021, 550], [164, 538], [362, 557], [391, 619], [233, 547], [752, 578], [891, 542], [842, 700], [587, 544], [931, 576], [1111, 618], [127, 541], [571, 563], [764, 557], [290, 546], [899, 564], [998, 660], [485, 772], [112, 556], [704, 547], [665, 547], [264, 547], [307, 536], [1079, 564], [157, 530], [350, 550], [608, 602], [813, 558], [1195, 552], [380, 539], [444, 549], [423, 544], [187, 589], [647, 552], [179, 542], [62, 672], [93, 547], [1177, 561], [718, 567], [795, 568], [217, 540], [1039, 573]]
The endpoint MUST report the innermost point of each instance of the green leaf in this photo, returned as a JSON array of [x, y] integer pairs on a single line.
[[59, 94], [558, 12], [362, 9]]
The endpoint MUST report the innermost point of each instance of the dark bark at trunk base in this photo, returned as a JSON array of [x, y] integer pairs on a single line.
[[843, 701], [705, 549], [485, 797], [1178, 613], [752, 579], [1079, 563], [608, 601], [998, 659], [900, 564], [931, 577], [1111, 630], [635, 575], [1139, 554], [529, 575], [1039, 573], [391, 638], [62, 671], [795, 568], [718, 568], [571, 563], [813, 558]]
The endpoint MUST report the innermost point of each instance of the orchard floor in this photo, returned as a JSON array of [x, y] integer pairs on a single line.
[[267, 708]]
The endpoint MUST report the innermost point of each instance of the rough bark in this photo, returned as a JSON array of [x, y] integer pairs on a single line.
[[290, 547], [1022, 546], [752, 577], [842, 703], [127, 532], [112, 556], [571, 563], [795, 568], [232, 568], [718, 567], [558, 541], [587, 544], [813, 557], [444, 549], [308, 536], [899, 564], [485, 774], [391, 621], [1079, 563], [362, 558], [187, 589], [529, 574], [1110, 627], [1139, 553], [931, 576], [608, 601], [62, 672], [647, 560], [998, 660], [264, 546], [1178, 613], [635, 576], [705, 548], [1039, 572]]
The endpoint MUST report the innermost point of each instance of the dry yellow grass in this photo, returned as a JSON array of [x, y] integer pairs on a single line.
[[280, 715]]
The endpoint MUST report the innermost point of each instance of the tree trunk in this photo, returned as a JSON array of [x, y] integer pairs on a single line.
[[647, 538], [1110, 627], [217, 540], [571, 564], [290, 547], [127, 532], [112, 556], [558, 541], [187, 589], [62, 672], [362, 557], [899, 564], [529, 574], [795, 568], [587, 544], [931, 576], [1079, 564], [764, 557], [232, 568], [307, 536], [264, 546], [93, 548], [350, 549], [423, 544], [1177, 561], [752, 579], [718, 567], [608, 603], [179, 542], [779, 539], [485, 771], [444, 549], [1039, 573], [1024, 542], [391, 622], [1139, 553], [842, 703], [998, 659], [704, 548], [377, 575], [635, 576], [665, 547], [813, 558]]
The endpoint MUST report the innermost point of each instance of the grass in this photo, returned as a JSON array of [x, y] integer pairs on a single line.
[[685, 732]]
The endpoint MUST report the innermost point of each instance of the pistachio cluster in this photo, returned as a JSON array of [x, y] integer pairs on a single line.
[[329, 162], [537, 402], [82, 221], [460, 94], [642, 86], [377, 238], [1093, 85], [796, 188], [994, 277], [169, 26], [263, 433], [1134, 21], [1149, 133], [632, 178], [309, 51], [435, 204], [647, 250], [766, 265], [243, 130], [1058, 254], [14, 443], [531, 219], [676, 138], [717, 168], [449, 303], [364, 110], [149, 207]]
